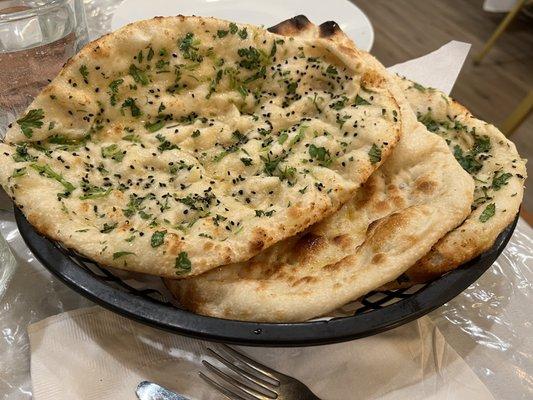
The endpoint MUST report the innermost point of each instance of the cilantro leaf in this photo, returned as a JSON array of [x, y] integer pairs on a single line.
[[113, 152], [374, 154], [500, 180], [321, 154], [47, 171], [84, 72], [108, 227], [359, 101], [21, 154], [119, 254], [488, 212], [31, 120], [158, 238], [135, 111], [183, 264], [138, 75]]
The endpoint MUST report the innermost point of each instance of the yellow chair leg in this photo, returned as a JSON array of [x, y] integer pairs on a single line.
[[498, 32], [518, 115]]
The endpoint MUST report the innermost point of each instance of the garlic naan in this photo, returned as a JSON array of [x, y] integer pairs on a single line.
[[175, 145], [498, 172]]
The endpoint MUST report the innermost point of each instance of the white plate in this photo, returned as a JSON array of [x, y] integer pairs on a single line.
[[259, 12]]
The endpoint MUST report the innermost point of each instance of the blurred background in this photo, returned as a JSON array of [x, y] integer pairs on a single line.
[[491, 90]]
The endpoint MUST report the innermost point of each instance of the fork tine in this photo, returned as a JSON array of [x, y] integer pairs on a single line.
[[242, 372], [240, 385], [252, 363], [228, 393]]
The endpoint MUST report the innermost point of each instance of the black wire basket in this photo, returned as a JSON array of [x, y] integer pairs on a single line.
[[141, 298]]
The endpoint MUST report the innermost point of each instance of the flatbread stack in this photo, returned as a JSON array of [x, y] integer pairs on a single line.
[[266, 175]]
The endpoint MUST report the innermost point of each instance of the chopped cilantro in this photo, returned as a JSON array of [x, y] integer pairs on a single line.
[[359, 101], [299, 136], [119, 254], [150, 54], [481, 144], [94, 192], [135, 111], [243, 34], [138, 75], [214, 83], [340, 104], [246, 161], [218, 218], [112, 151], [183, 264], [188, 46], [31, 120], [154, 126], [500, 180], [341, 120], [418, 87], [222, 33], [18, 172], [108, 227], [165, 144], [132, 138], [488, 212], [251, 58], [47, 171], [283, 137], [261, 213], [291, 87], [21, 154], [113, 87], [321, 154], [158, 238], [233, 28], [429, 122], [375, 154], [84, 72], [467, 160], [331, 70]]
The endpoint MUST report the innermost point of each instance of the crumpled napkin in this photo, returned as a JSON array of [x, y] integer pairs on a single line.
[[93, 353]]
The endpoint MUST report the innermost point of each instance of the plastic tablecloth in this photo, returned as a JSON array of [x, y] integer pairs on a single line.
[[489, 324]]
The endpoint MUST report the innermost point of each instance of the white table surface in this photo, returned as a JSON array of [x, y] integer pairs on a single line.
[[489, 324]]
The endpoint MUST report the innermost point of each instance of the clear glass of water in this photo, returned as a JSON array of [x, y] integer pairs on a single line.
[[36, 38]]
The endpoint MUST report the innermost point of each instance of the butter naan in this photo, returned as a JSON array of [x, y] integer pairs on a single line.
[[497, 169], [175, 145], [418, 195]]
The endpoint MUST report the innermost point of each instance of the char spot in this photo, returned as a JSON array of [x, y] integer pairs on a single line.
[[329, 28], [308, 243], [378, 258], [425, 186], [295, 24]]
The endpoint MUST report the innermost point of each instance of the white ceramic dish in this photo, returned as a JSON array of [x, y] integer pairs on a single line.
[[259, 12]]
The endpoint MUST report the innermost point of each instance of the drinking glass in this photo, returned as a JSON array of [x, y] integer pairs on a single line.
[[36, 38]]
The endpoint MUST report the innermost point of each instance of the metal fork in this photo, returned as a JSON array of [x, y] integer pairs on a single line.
[[252, 380]]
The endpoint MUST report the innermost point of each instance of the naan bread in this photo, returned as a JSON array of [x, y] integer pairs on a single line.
[[178, 144], [417, 196], [498, 173]]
